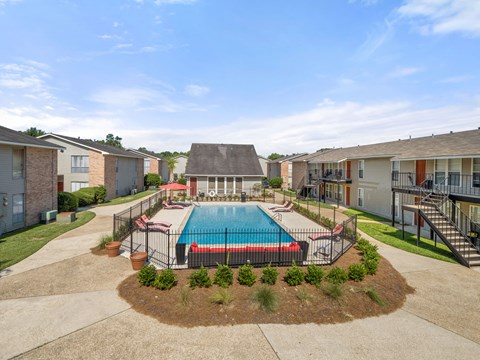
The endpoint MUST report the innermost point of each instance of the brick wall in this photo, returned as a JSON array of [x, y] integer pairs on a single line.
[[40, 183], [154, 166], [299, 174], [284, 174], [96, 172], [111, 176]]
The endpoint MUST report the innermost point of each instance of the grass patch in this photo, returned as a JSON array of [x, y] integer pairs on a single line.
[[393, 237], [128, 198], [362, 215], [222, 297], [185, 296], [266, 299], [104, 240], [335, 291], [372, 294], [18, 245], [304, 296], [314, 204]]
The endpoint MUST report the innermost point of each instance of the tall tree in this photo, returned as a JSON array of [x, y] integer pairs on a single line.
[[33, 131], [112, 140], [171, 163], [274, 156]]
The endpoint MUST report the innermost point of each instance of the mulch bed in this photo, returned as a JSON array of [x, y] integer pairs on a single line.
[[167, 307]]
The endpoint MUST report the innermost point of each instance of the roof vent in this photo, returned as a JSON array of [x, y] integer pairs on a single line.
[[433, 135], [410, 137], [451, 132]]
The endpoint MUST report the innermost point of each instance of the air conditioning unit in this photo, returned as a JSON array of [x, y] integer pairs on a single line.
[[48, 216]]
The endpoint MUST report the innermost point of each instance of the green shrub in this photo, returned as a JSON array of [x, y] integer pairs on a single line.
[[372, 294], [86, 196], [152, 179], [182, 181], [294, 275], [276, 182], [222, 296], [200, 278], [67, 202], [362, 243], [337, 276], [269, 275], [314, 275], [165, 280], [147, 274], [100, 194], [246, 275], [371, 265], [357, 272], [335, 291], [223, 276], [266, 299], [104, 239]]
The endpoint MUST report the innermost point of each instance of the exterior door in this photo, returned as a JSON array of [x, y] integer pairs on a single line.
[[420, 169], [193, 186], [347, 195]]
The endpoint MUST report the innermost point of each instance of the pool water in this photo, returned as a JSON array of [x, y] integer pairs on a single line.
[[232, 224]]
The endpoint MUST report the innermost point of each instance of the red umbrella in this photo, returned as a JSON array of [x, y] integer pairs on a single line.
[[173, 187]]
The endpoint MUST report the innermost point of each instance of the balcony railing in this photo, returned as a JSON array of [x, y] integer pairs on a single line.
[[454, 184], [331, 175]]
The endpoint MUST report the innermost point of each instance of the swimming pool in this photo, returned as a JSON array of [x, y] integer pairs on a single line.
[[232, 225]]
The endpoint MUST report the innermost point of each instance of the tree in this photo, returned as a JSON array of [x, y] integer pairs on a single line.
[[33, 131], [152, 179], [112, 140], [274, 156], [276, 182], [171, 163]]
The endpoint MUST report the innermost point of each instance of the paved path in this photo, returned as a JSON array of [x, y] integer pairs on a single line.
[[68, 308]]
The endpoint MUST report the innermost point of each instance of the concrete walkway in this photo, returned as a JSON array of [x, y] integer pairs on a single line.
[[54, 307]]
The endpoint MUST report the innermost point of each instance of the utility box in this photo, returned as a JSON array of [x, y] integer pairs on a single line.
[[66, 217], [47, 217], [243, 196]]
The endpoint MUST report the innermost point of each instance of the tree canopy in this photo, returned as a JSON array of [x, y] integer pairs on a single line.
[[112, 140], [33, 131], [274, 156]]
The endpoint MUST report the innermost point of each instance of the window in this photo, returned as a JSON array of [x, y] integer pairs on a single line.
[[475, 213], [79, 164], [18, 209], [361, 168], [476, 172], [77, 185], [454, 171], [146, 166], [238, 185], [440, 169], [18, 163], [211, 184], [328, 191], [395, 170], [221, 185], [361, 196]]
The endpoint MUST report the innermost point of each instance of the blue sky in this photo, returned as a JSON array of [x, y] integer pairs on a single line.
[[286, 76]]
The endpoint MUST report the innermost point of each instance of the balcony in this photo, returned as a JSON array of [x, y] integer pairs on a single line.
[[331, 176], [454, 184]]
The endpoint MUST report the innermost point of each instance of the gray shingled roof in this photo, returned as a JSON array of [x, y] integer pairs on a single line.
[[110, 150], [291, 157], [147, 155], [464, 143], [13, 137], [223, 159]]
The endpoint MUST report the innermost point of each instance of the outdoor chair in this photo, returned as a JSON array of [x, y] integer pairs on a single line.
[[166, 206], [278, 206], [143, 227], [146, 220], [284, 209], [337, 230]]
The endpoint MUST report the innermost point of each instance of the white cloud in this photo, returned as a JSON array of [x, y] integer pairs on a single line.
[[381, 33], [401, 72], [9, 2], [196, 90], [444, 16]]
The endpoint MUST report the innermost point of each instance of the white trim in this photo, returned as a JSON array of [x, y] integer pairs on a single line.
[[53, 147], [362, 191]]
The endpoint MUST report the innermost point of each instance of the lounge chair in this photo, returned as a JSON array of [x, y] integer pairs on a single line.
[[327, 234], [166, 206], [146, 220], [278, 206], [289, 208], [324, 249], [143, 227]]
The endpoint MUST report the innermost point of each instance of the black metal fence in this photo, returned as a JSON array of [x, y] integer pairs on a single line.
[[192, 249]]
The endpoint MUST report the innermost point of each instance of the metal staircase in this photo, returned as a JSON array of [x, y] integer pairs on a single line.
[[450, 224]]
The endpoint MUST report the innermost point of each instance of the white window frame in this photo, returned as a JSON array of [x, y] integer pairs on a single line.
[[361, 198], [473, 218], [395, 170], [146, 166], [449, 173], [82, 160], [82, 184], [20, 172], [361, 169], [18, 208], [475, 173]]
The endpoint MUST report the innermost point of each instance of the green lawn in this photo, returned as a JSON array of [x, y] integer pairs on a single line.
[[128, 198], [393, 236], [314, 204], [17, 245], [362, 215]]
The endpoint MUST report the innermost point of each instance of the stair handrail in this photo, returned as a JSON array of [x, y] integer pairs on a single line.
[[277, 216]]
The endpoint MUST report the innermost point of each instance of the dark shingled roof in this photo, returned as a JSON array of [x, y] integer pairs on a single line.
[[464, 143], [13, 137], [223, 159], [110, 150]]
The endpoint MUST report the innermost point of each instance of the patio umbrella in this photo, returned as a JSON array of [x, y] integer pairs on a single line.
[[174, 187]]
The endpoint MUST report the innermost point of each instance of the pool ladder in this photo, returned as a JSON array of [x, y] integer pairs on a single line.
[[277, 216]]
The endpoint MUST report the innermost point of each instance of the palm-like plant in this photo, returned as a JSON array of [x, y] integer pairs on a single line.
[[171, 167]]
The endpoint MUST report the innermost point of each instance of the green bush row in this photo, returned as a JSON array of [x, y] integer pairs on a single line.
[[85, 196]]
